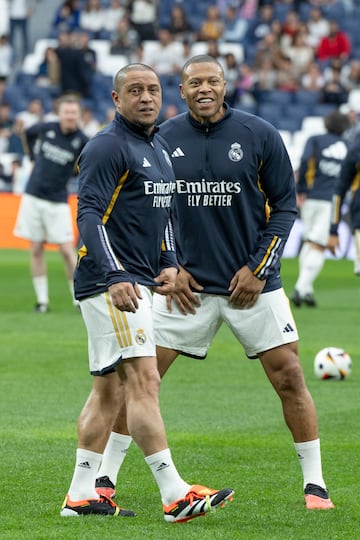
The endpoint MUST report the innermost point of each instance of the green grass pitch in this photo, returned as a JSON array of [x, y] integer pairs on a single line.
[[223, 419]]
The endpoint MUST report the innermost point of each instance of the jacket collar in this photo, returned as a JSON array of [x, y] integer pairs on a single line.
[[137, 130], [209, 125]]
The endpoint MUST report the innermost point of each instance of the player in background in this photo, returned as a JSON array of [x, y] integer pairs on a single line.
[[349, 180], [126, 182], [319, 169], [233, 210], [44, 214]]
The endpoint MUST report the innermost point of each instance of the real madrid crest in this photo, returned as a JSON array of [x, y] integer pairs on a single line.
[[140, 336], [235, 153]]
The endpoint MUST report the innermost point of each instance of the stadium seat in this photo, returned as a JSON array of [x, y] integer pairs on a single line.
[[297, 111], [323, 109], [307, 97], [276, 97], [288, 124], [271, 112]]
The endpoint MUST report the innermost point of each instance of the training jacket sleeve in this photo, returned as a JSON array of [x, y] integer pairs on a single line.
[[276, 180], [168, 250], [102, 167], [343, 184], [307, 167]]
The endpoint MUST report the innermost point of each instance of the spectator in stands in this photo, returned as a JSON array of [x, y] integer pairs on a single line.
[[335, 44], [19, 15], [318, 26], [6, 124], [15, 142], [82, 41], [5, 180], [350, 74], [4, 19], [124, 39], [186, 52], [245, 86], [66, 17], [169, 111], [334, 92], [235, 26], [261, 25], [313, 79], [265, 78], [268, 48], [180, 27], [290, 27], [143, 17], [48, 74], [212, 27], [288, 79], [164, 56], [75, 70], [33, 114], [92, 19], [300, 53], [319, 169], [231, 74], [88, 123], [6, 57], [112, 15]]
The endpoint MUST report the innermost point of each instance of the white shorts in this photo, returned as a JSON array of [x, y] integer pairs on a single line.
[[39, 220], [316, 216], [114, 335], [266, 325]]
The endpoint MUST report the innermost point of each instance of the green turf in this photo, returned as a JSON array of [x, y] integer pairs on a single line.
[[223, 420]]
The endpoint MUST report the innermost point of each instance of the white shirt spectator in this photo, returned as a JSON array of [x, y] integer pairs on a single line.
[[143, 12], [112, 15], [4, 19], [92, 17], [6, 56]]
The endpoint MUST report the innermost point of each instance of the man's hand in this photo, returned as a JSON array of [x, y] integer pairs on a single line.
[[183, 294], [245, 288], [167, 278], [333, 243], [125, 296]]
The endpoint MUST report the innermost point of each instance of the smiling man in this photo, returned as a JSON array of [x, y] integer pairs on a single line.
[[233, 210], [125, 185]]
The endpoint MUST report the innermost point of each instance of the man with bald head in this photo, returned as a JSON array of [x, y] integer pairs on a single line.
[[126, 184]]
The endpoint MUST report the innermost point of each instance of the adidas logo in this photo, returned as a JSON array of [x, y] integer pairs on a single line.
[[288, 328], [146, 163], [85, 465], [177, 152], [162, 466]]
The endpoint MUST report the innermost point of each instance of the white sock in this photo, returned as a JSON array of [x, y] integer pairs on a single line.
[[113, 456], [311, 266], [170, 483], [310, 461], [83, 481], [40, 284]]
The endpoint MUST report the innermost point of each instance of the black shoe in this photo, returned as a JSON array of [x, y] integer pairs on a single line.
[[102, 506], [104, 486], [309, 300], [296, 298], [41, 308]]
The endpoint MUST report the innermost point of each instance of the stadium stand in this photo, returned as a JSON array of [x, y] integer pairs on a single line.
[[294, 112]]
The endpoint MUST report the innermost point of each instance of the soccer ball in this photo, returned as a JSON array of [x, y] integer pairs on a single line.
[[332, 363]]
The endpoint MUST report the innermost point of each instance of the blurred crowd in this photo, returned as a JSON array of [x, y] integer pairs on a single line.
[[302, 49]]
